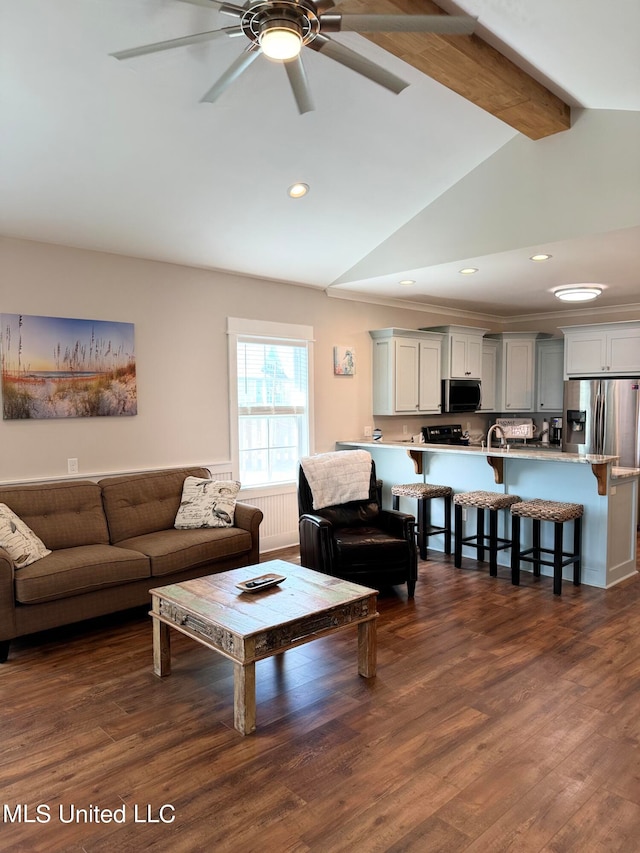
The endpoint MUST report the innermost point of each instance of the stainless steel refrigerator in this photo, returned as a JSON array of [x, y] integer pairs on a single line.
[[603, 416]]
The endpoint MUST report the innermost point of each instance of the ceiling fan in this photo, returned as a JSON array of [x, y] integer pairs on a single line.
[[279, 29]]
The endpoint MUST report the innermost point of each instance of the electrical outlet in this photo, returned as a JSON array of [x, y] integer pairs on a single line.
[[72, 466], [405, 429], [367, 432]]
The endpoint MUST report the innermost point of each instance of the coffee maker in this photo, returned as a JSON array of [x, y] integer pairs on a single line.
[[555, 431]]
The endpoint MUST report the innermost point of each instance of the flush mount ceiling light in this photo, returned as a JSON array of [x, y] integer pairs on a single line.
[[468, 270], [298, 190], [280, 38], [578, 292], [407, 282], [540, 257]]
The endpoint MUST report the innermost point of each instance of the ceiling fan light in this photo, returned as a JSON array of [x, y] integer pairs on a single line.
[[578, 293], [281, 40]]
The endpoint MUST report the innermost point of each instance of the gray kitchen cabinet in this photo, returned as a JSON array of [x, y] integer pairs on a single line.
[[549, 375], [461, 351], [612, 348], [406, 372], [516, 370], [490, 376]]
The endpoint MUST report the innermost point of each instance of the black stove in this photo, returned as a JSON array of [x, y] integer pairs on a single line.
[[447, 434]]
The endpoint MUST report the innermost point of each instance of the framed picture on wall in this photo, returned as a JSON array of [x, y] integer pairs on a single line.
[[344, 361], [58, 367]]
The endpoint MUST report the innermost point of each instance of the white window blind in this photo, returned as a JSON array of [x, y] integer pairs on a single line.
[[272, 387]]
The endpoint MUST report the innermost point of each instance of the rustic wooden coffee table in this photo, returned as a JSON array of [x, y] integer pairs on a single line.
[[247, 627]]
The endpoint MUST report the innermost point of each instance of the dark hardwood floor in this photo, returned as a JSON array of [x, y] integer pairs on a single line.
[[501, 718]]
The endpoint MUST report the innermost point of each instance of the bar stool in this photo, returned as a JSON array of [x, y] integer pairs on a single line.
[[481, 501], [559, 513], [424, 493]]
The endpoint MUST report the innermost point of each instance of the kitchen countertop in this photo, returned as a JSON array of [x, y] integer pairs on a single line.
[[624, 473], [521, 453], [601, 465]]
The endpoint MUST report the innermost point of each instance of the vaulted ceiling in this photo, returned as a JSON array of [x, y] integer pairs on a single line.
[[523, 137]]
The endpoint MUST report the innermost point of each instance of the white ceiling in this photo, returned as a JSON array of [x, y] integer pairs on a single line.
[[122, 157]]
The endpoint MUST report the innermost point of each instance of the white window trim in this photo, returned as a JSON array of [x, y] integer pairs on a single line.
[[241, 327]]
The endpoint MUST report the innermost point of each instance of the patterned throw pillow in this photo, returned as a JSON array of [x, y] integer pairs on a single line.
[[207, 503], [18, 540]]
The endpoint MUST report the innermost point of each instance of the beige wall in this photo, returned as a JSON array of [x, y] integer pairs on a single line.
[[181, 351]]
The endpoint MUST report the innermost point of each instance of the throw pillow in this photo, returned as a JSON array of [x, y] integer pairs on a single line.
[[207, 503], [18, 540]]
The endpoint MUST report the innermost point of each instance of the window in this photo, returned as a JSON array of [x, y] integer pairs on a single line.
[[270, 369]]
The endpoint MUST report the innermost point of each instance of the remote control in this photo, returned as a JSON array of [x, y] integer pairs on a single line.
[[252, 584]]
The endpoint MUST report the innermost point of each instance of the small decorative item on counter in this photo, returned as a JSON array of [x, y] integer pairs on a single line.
[[377, 434], [465, 440], [544, 435]]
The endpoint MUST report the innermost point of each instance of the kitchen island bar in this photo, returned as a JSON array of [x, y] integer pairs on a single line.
[[608, 493]]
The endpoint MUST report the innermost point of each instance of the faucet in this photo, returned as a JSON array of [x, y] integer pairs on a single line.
[[496, 428]]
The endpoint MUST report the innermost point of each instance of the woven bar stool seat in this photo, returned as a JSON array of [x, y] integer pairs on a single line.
[[485, 500], [424, 493], [421, 490], [481, 501], [558, 513], [548, 510]]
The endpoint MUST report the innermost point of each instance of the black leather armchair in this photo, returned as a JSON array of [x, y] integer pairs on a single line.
[[358, 541]]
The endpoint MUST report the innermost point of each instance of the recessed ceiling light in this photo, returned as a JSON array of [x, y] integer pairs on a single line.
[[407, 282], [578, 292], [468, 270], [298, 190], [540, 257]]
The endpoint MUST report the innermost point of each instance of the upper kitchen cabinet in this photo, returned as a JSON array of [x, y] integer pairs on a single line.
[[516, 380], [491, 375], [406, 372], [611, 348], [461, 351], [549, 375]]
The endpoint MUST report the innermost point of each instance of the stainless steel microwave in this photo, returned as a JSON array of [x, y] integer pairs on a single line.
[[461, 395]]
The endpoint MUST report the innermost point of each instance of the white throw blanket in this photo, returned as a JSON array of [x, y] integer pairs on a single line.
[[339, 477]]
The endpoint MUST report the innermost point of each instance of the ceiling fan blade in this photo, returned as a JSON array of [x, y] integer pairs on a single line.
[[299, 85], [197, 38], [232, 73], [444, 24], [358, 63], [225, 8]]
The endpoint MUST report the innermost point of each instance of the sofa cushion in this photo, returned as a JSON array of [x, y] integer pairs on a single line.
[[207, 503], [18, 540], [63, 515], [73, 571], [144, 503], [174, 550]]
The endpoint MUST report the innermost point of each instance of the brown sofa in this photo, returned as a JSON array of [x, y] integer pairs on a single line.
[[111, 542]]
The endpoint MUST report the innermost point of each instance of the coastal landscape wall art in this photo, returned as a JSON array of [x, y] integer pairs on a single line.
[[56, 367]]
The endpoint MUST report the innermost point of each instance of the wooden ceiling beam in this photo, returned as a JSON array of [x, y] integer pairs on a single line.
[[470, 67]]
